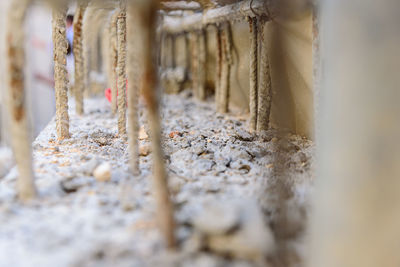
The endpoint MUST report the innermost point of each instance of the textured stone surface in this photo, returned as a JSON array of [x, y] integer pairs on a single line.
[[77, 221]]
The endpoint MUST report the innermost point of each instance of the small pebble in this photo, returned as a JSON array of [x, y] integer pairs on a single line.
[[103, 172], [144, 150]]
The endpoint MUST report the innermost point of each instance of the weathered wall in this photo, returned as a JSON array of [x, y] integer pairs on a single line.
[[290, 46]]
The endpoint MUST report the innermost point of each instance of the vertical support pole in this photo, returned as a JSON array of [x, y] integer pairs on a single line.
[[356, 217], [144, 11], [317, 65], [121, 71], [253, 72], [79, 57], [202, 58], [60, 70], [219, 69], [113, 61], [134, 75], [226, 59], [264, 89], [20, 134], [194, 48]]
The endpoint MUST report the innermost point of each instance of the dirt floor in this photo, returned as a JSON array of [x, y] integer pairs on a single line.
[[241, 199]]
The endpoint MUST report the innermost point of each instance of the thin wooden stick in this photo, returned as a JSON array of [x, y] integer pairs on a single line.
[[264, 90], [113, 53], [79, 57], [253, 72], [202, 57], [223, 106], [145, 13], [194, 48], [219, 69], [121, 71], [20, 134], [60, 70], [134, 76]]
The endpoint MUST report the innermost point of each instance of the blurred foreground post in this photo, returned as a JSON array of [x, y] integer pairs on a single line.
[[357, 201], [143, 14], [20, 134]]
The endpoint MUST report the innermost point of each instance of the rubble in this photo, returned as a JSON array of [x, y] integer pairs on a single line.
[[204, 164], [103, 172]]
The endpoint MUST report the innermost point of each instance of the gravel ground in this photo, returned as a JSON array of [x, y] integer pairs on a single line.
[[241, 199]]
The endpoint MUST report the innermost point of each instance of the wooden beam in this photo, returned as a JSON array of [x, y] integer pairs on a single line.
[[238, 11]]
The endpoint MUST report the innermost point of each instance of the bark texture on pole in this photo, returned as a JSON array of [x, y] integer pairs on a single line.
[[79, 57], [356, 217], [20, 134], [264, 89], [134, 74], [226, 58], [145, 13], [60, 70], [121, 71], [253, 73], [113, 61]]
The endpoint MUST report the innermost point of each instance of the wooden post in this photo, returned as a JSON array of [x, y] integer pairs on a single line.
[[194, 48], [202, 67], [144, 14], [356, 217], [121, 70], [134, 75], [226, 58], [20, 134], [60, 71], [79, 57], [317, 65], [113, 61], [219, 69], [253, 73], [264, 89]]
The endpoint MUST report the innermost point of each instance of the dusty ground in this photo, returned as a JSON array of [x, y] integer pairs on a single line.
[[241, 199]]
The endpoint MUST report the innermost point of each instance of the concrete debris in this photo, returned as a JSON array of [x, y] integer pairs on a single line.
[[143, 134], [217, 218], [144, 150], [103, 172], [235, 228]]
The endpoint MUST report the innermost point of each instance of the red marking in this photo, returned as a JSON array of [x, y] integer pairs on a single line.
[[108, 92]]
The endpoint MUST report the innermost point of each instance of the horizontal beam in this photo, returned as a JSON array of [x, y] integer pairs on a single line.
[[181, 5], [238, 11]]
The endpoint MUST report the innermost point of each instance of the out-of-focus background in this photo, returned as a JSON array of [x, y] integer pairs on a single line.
[[39, 74]]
